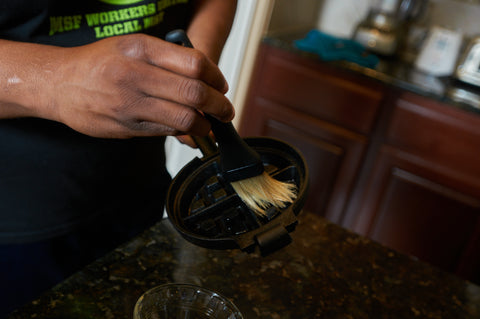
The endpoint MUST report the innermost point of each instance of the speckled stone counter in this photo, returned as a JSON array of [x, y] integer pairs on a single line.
[[326, 272]]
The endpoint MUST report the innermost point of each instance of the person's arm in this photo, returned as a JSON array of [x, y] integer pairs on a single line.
[[211, 26], [119, 87]]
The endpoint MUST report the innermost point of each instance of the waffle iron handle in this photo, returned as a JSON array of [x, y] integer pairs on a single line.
[[273, 239]]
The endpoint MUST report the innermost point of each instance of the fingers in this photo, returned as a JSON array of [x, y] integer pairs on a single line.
[[186, 62], [181, 75], [187, 140], [173, 119], [193, 93], [175, 58]]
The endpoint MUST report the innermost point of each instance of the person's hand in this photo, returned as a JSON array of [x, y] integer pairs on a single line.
[[187, 140], [134, 85]]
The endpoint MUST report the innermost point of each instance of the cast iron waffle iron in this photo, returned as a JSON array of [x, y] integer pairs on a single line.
[[206, 211]]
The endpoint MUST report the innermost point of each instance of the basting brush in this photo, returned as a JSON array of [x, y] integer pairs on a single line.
[[241, 165], [243, 168]]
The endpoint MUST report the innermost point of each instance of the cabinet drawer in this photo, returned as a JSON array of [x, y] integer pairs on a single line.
[[441, 133], [313, 88]]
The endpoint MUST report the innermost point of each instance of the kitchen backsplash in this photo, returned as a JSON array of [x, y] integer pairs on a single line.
[[462, 16], [340, 17], [290, 16]]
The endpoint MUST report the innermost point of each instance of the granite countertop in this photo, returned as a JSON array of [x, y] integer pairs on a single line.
[[397, 73], [326, 272]]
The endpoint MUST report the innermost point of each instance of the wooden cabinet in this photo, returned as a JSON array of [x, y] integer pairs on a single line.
[[399, 168], [326, 115], [422, 196]]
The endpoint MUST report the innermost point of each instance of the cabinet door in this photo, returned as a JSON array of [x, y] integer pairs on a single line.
[[317, 89], [412, 205], [333, 154]]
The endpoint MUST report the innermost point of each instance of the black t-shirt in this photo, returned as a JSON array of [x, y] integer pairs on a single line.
[[53, 178]]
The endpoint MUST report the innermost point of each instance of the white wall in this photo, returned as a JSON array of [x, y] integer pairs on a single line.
[[462, 16], [294, 16], [340, 17]]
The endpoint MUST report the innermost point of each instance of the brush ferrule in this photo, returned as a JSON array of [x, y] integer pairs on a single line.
[[243, 172], [238, 160]]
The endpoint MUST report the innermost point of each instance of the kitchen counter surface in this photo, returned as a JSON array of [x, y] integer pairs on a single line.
[[399, 74], [326, 272]]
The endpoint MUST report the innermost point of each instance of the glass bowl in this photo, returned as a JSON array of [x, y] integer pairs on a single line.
[[184, 301]]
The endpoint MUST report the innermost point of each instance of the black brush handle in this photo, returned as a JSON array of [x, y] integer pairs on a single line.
[[206, 144], [239, 161]]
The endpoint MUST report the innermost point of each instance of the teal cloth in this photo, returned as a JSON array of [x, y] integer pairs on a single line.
[[330, 48]]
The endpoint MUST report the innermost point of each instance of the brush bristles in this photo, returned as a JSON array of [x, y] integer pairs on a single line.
[[262, 191]]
